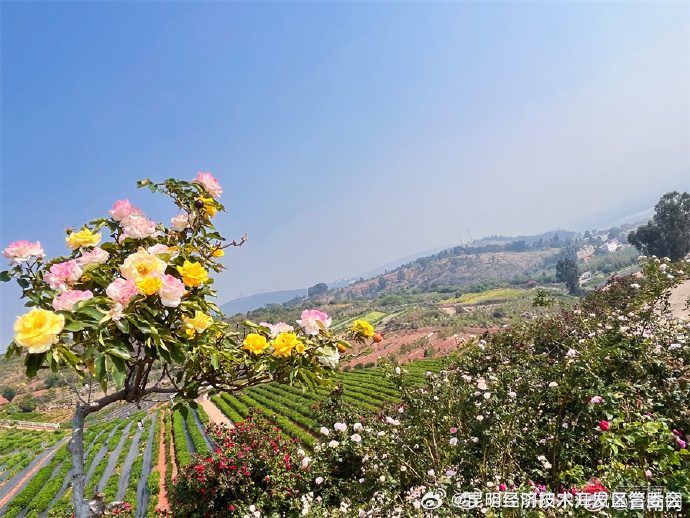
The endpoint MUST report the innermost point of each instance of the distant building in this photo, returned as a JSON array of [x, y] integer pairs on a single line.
[[585, 276]]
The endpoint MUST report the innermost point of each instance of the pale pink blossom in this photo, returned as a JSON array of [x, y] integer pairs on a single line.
[[61, 275], [22, 251], [158, 248], [324, 430], [95, 256], [276, 329], [453, 430], [138, 227], [453, 441], [310, 321], [179, 222], [121, 209], [356, 438], [171, 291], [341, 427], [209, 183], [121, 291], [597, 399], [66, 300]]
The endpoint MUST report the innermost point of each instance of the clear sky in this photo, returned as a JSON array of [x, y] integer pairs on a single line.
[[345, 135]]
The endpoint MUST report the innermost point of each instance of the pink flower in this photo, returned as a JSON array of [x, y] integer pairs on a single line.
[[159, 248], [209, 183], [61, 275], [179, 222], [356, 438], [648, 474], [310, 319], [66, 300], [121, 209], [171, 291], [21, 251], [138, 227], [276, 329], [604, 426], [95, 256], [341, 427], [502, 487], [597, 399], [453, 430], [121, 291]]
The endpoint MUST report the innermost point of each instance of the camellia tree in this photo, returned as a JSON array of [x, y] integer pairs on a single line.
[[136, 310]]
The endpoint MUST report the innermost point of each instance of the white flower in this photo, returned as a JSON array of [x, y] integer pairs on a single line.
[[325, 431], [403, 468], [541, 458], [305, 462], [474, 439], [512, 394], [356, 438], [328, 356], [341, 427], [431, 473], [333, 444], [553, 384], [571, 353], [480, 417], [381, 433], [489, 484], [635, 285], [487, 395], [392, 421], [382, 478], [547, 465], [318, 480], [454, 441], [481, 385], [179, 222], [397, 370], [300, 452], [358, 427]]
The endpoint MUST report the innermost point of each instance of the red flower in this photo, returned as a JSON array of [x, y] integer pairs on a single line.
[[604, 425]]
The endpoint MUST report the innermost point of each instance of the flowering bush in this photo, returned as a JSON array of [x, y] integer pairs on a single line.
[[584, 400], [140, 301]]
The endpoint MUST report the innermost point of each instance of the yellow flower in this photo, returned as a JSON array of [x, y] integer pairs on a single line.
[[199, 323], [193, 274], [300, 347], [363, 327], [38, 330], [285, 343], [82, 238], [149, 285], [218, 253], [140, 265], [255, 343], [210, 209]]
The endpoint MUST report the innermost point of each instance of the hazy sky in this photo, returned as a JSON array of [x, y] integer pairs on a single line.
[[345, 135]]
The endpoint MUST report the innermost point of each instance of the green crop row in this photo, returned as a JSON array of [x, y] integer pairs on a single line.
[[280, 409], [181, 447], [284, 424], [21, 500], [196, 435], [227, 410], [137, 466], [110, 488], [235, 404]]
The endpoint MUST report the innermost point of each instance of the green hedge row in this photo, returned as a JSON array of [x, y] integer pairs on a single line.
[[227, 409]]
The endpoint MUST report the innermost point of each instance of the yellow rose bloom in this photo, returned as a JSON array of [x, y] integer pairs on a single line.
[[193, 274], [82, 238], [38, 330], [199, 323], [285, 343], [140, 265], [210, 209], [255, 343], [300, 347], [363, 327], [149, 285], [218, 253]]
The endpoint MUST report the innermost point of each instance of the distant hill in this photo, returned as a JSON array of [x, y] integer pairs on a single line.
[[245, 304]]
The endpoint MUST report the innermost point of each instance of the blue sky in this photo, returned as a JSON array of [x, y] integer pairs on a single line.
[[345, 135]]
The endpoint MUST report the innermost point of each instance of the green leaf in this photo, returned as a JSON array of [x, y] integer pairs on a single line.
[[5, 276], [119, 353], [143, 183], [177, 353], [122, 325], [99, 364], [194, 405], [23, 283], [74, 326], [118, 371], [33, 363]]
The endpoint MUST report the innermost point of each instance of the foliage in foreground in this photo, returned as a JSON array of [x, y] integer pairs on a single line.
[[600, 390]]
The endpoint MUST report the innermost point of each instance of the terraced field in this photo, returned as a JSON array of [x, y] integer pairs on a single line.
[[123, 454]]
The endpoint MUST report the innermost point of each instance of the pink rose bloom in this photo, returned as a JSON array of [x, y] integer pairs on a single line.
[[61, 275], [597, 399], [453, 430], [138, 227], [209, 183], [171, 291], [159, 248], [66, 300], [121, 291], [121, 209], [95, 256], [310, 319], [21, 251], [179, 222], [276, 329]]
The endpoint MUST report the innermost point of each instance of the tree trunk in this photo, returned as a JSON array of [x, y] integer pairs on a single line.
[[76, 448]]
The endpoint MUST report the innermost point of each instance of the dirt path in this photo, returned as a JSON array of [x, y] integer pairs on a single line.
[[677, 300], [214, 412], [162, 468], [10, 495]]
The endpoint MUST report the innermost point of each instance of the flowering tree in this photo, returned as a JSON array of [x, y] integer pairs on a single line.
[[136, 310]]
